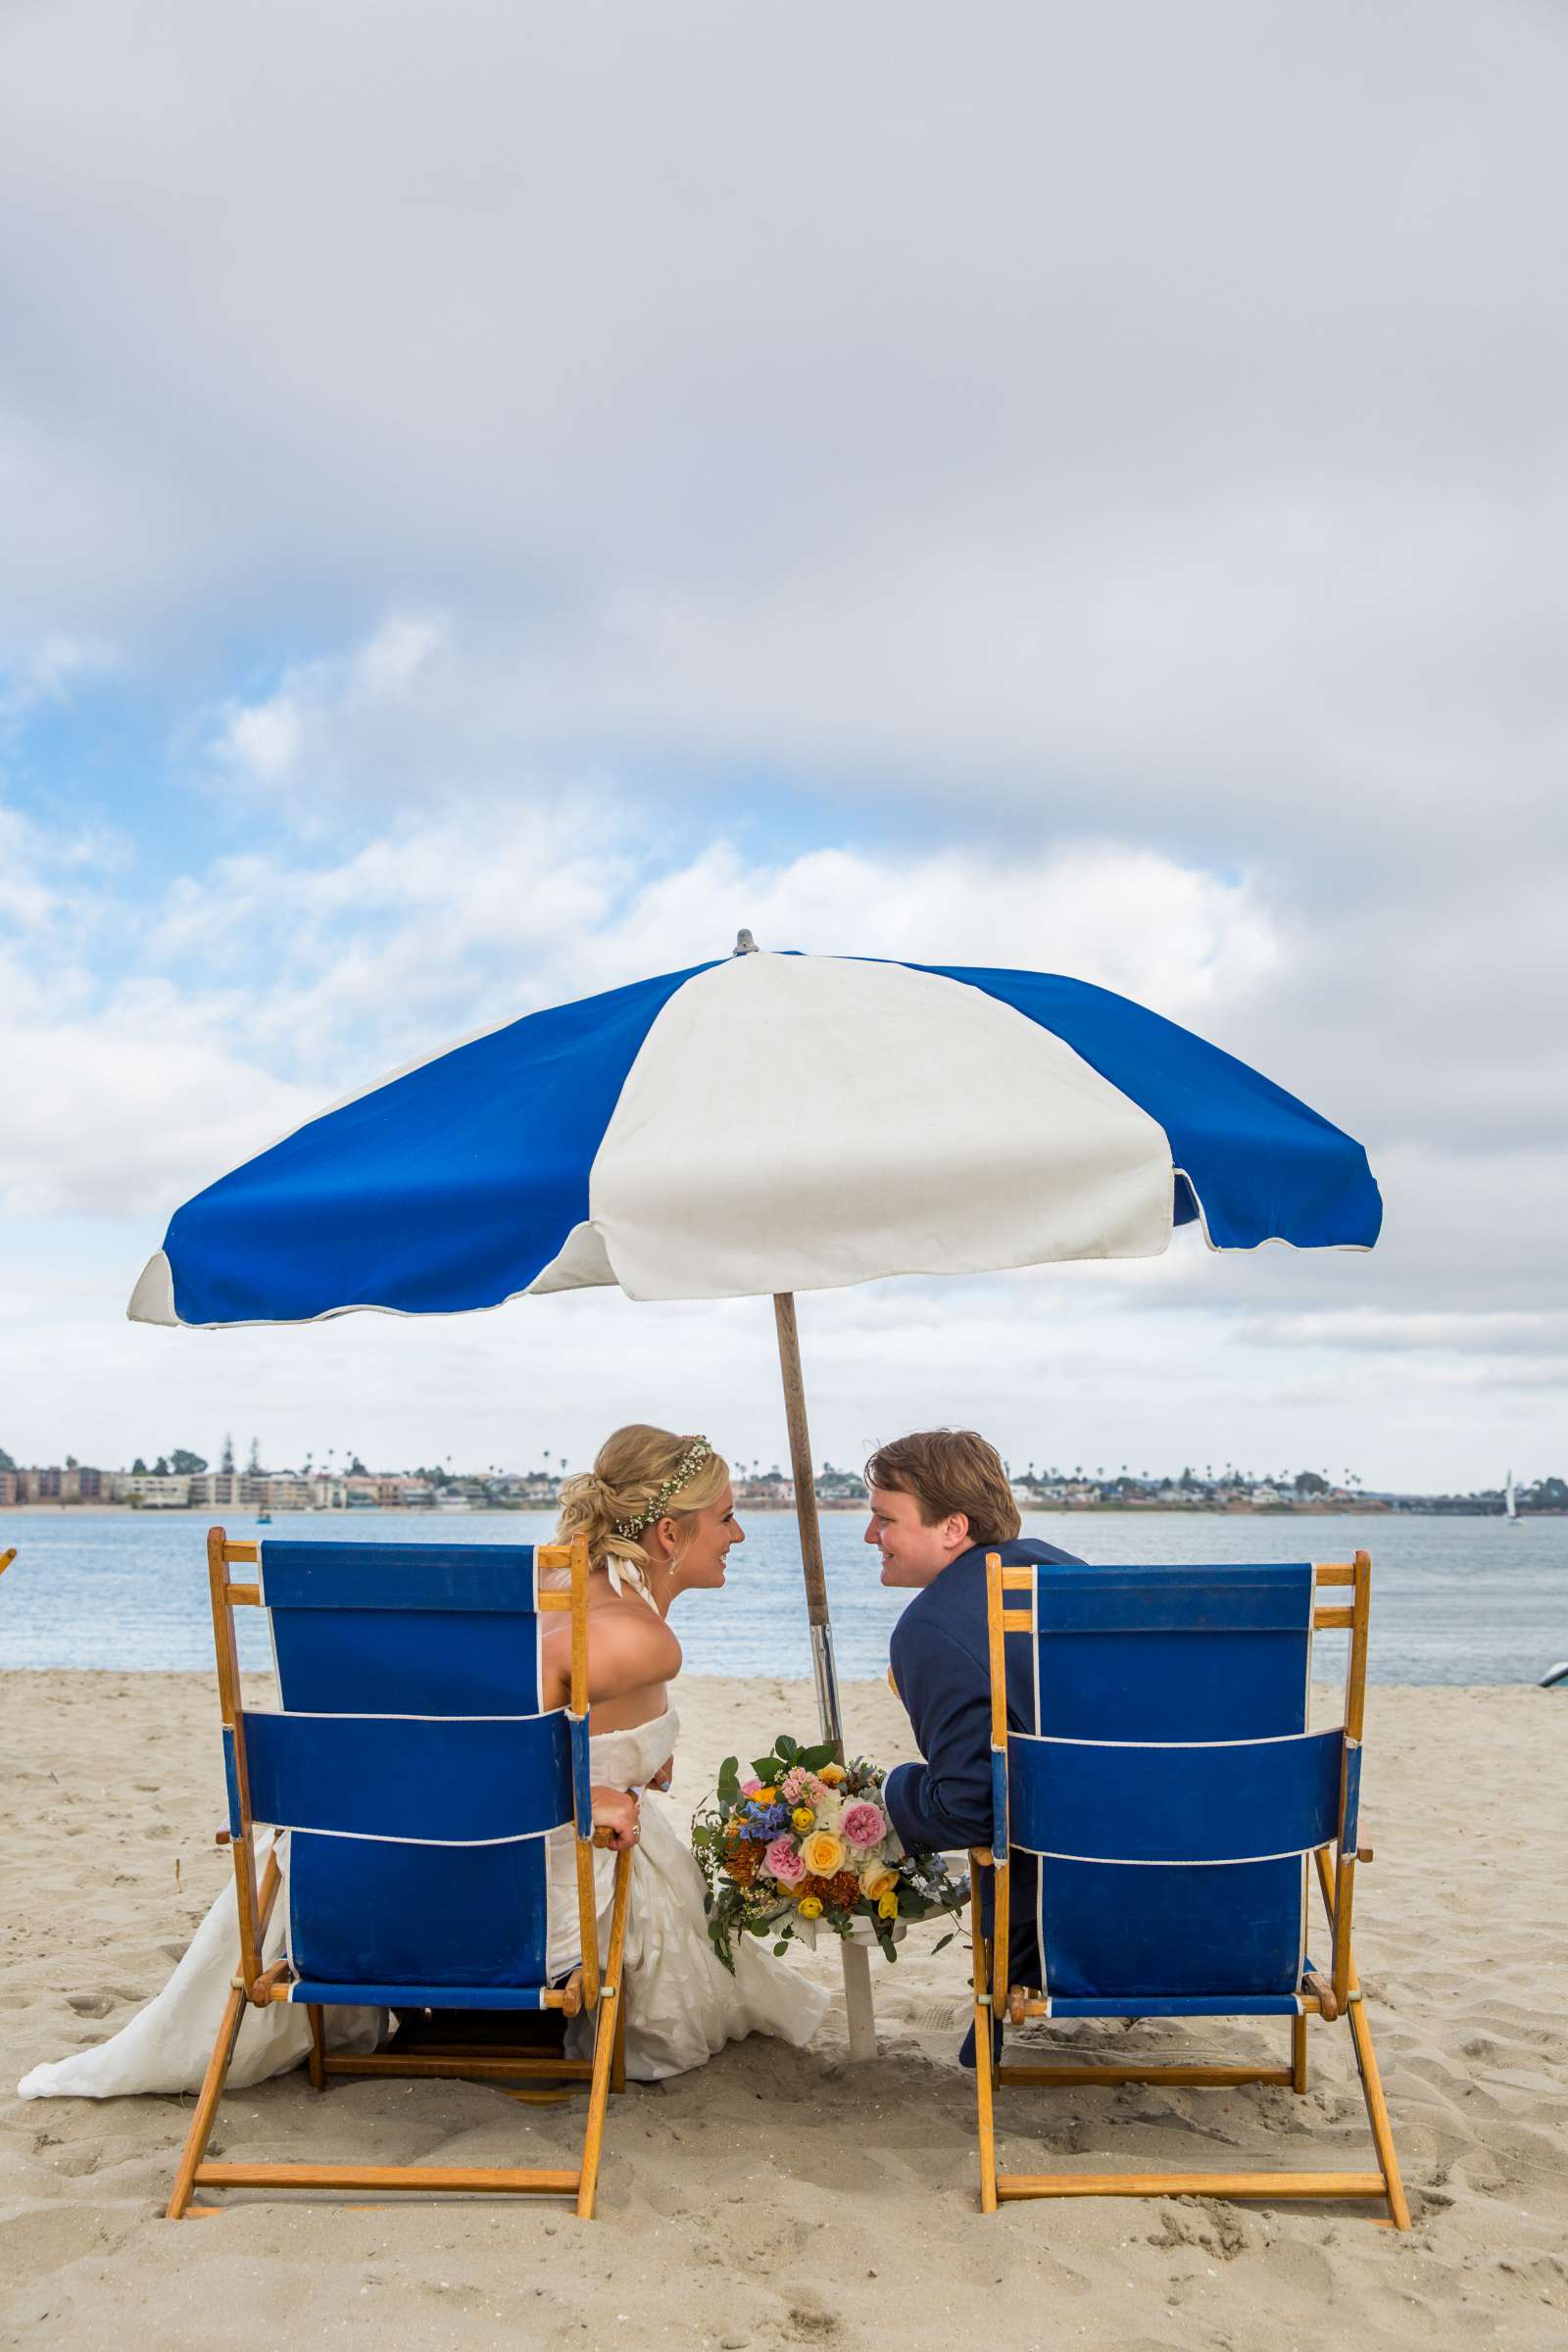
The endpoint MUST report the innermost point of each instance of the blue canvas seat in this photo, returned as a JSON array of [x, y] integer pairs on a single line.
[[418, 1775], [1177, 1802]]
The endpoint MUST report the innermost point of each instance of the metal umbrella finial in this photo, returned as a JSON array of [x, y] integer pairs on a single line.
[[745, 945]]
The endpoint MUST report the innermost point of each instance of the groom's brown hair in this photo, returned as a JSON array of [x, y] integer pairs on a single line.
[[950, 1470]]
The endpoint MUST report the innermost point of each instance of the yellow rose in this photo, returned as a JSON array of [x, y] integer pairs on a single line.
[[888, 1907], [822, 1853], [878, 1882], [832, 1773], [803, 1817], [810, 1906]]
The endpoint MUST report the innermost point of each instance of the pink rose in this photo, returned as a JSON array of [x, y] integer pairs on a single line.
[[750, 1784], [863, 1823], [783, 1859]]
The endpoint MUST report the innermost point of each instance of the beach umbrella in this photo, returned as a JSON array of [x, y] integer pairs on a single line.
[[765, 1124]]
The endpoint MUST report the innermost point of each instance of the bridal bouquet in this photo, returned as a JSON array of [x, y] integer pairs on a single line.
[[801, 1838]]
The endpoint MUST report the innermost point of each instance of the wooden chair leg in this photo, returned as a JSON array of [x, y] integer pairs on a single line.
[[1299, 2054], [315, 2015], [605, 2023], [212, 2090], [984, 2063], [617, 2055], [1377, 2113]]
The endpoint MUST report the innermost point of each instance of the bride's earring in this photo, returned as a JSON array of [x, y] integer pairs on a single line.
[[671, 1576]]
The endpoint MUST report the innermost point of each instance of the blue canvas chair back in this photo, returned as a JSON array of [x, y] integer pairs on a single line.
[[1171, 1790], [414, 1769]]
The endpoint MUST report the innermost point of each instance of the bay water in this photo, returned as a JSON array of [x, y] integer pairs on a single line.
[[1453, 1599]]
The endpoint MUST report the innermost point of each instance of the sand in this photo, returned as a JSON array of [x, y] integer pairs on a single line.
[[778, 2198]]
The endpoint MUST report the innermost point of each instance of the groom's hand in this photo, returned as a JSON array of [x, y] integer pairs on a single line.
[[615, 1818], [664, 1775]]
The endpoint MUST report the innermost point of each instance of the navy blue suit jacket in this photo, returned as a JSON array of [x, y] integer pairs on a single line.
[[940, 1666]]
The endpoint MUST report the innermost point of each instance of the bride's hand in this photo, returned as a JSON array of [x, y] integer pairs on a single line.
[[664, 1775], [615, 1818]]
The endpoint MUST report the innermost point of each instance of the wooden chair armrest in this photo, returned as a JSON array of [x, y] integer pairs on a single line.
[[1314, 1982]]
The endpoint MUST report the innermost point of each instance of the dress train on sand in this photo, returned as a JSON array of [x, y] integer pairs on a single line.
[[682, 2005], [166, 2046]]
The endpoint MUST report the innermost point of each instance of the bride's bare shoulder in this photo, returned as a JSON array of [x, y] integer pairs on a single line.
[[629, 1645]]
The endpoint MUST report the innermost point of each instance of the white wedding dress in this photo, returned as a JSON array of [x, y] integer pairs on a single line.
[[682, 2005]]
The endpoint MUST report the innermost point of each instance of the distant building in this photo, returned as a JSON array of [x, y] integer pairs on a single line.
[[398, 1494], [150, 1492], [765, 1493], [281, 1491], [72, 1484], [381, 1491], [216, 1490]]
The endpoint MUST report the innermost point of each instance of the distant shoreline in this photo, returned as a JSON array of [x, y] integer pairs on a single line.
[[424, 1511]]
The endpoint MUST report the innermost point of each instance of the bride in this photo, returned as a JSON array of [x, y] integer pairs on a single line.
[[659, 1514]]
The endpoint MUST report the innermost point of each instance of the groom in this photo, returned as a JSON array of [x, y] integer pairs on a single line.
[[940, 1502]]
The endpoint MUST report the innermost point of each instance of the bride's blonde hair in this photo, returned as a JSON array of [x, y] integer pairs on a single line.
[[631, 1471]]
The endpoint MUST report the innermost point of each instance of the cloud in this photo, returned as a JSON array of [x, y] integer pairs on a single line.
[[481, 913], [1160, 423], [126, 1113], [1086, 494], [250, 995], [326, 720], [1519, 1333], [46, 671]]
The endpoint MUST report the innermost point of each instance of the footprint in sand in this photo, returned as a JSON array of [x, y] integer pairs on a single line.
[[99, 2004]]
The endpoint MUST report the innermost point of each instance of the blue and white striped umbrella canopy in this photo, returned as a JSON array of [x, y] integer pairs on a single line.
[[767, 1123]]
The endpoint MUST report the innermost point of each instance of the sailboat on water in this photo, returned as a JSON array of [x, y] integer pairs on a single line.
[[1510, 1505]]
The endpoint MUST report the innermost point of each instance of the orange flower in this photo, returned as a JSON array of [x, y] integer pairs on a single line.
[[742, 1862]]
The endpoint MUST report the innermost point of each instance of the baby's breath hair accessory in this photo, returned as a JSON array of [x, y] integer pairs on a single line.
[[686, 1469]]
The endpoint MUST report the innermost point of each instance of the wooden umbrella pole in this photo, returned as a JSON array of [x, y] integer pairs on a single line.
[[856, 1959], [816, 1609]]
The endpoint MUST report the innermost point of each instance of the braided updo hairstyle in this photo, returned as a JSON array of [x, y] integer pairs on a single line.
[[629, 1469]]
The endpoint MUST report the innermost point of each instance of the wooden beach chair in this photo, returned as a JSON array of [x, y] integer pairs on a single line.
[[1176, 1801], [6, 1559], [418, 1777]]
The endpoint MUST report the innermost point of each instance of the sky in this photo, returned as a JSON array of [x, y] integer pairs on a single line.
[[494, 499]]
